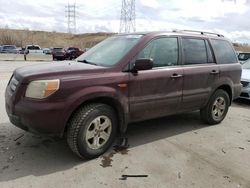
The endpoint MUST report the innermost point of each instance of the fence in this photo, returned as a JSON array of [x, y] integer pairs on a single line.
[[28, 57]]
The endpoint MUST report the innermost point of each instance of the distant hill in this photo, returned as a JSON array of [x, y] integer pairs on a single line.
[[54, 39], [241, 47], [22, 38]]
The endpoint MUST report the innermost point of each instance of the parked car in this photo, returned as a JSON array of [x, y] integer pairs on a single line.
[[243, 56], [33, 49], [59, 54], [73, 52], [47, 51], [9, 49], [245, 80], [125, 78]]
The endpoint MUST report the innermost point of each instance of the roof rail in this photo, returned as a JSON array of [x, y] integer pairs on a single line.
[[201, 32]]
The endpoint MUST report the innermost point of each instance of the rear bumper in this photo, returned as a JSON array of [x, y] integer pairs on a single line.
[[59, 56]]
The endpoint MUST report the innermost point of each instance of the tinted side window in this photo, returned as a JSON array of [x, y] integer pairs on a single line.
[[195, 51], [223, 51], [163, 51]]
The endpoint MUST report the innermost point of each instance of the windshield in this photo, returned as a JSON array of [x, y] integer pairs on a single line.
[[246, 65], [110, 51]]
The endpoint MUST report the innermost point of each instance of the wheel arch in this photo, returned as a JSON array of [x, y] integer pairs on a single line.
[[119, 109], [228, 89]]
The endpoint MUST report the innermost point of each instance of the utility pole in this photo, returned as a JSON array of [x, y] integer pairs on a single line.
[[71, 17], [127, 20]]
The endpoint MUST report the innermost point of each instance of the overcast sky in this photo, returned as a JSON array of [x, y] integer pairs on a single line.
[[229, 17]]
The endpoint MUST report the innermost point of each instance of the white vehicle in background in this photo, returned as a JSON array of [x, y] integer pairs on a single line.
[[35, 53], [245, 80], [34, 49], [243, 57]]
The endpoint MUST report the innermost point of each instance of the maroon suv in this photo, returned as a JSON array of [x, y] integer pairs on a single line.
[[126, 78], [73, 52]]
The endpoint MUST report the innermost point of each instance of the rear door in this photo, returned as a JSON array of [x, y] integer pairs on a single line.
[[200, 72], [157, 92], [230, 69]]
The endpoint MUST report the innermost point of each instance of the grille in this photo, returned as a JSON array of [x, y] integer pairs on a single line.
[[244, 83], [13, 85]]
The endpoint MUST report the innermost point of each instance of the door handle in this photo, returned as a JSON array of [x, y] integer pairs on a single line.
[[213, 72], [174, 76]]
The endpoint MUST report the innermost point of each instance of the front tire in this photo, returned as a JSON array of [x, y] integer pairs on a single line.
[[92, 130], [216, 109]]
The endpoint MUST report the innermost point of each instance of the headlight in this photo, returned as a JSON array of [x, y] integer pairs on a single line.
[[41, 89]]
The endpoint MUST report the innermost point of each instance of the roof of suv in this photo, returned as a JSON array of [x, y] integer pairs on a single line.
[[202, 34]]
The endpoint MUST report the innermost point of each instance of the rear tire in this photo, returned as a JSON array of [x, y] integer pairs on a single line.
[[216, 109], [92, 130]]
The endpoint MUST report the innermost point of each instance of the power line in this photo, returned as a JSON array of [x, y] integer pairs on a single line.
[[71, 17], [127, 20]]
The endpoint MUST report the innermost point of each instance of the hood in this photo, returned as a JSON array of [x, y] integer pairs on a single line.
[[245, 74], [55, 69]]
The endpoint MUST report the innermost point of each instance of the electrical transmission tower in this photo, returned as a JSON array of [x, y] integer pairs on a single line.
[[71, 17], [127, 21]]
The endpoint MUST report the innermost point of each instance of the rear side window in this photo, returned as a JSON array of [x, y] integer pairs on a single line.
[[195, 51], [224, 52]]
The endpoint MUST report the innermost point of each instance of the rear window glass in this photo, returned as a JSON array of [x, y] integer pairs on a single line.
[[224, 52], [33, 48], [195, 51], [58, 49]]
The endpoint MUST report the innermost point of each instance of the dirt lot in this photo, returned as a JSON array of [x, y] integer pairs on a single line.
[[177, 151]]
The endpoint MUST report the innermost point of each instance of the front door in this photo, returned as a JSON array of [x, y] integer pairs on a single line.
[[157, 92]]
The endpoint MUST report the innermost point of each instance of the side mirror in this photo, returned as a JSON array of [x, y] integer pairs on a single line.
[[143, 64]]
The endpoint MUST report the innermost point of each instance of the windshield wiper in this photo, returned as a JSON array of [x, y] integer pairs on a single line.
[[87, 62]]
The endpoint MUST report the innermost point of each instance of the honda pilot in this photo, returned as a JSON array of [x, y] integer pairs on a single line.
[[125, 78]]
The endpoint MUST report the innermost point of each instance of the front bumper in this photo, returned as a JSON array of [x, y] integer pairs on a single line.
[[36, 116], [15, 120], [245, 93]]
